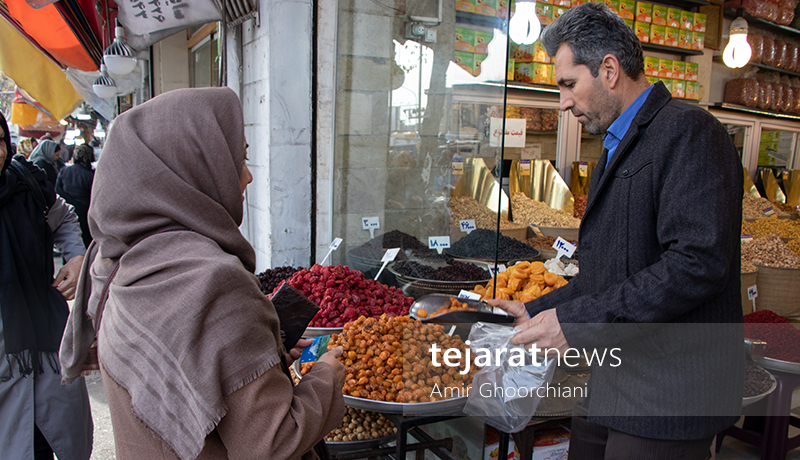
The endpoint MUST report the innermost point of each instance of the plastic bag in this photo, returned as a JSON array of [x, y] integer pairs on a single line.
[[505, 395]]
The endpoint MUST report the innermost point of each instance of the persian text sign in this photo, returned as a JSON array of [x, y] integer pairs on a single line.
[[515, 132], [147, 16]]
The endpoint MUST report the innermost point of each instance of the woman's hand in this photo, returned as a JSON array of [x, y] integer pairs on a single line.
[[330, 358], [66, 280]]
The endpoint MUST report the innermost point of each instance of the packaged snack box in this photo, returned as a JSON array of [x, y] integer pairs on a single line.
[[687, 20], [478, 58], [685, 39], [552, 75], [673, 17], [629, 23], [693, 90], [502, 9], [465, 5], [678, 70], [699, 22], [659, 15], [578, 2], [651, 66], [651, 80], [642, 30], [567, 3], [465, 40], [510, 70], [482, 40], [539, 53], [691, 71], [644, 12], [657, 34], [486, 7], [627, 8], [546, 1], [665, 68], [541, 73], [558, 11], [678, 89], [667, 82], [671, 36], [613, 4], [698, 41], [521, 53], [466, 61], [523, 71], [551, 444], [545, 13]]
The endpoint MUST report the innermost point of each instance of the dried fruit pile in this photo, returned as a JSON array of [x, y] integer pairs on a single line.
[[360, 425], [453, 305], [454, 271], [274, 277], [783, 340], [344, 295], [388, 359], [523, 282]]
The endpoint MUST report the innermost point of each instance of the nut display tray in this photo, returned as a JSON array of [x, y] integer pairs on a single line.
[[450, 406], [432, 302], [318, 331], [337, 447], [755, 351]]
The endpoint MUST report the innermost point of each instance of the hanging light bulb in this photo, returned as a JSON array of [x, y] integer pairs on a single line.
[[104, 86], [737, 52], [524, 26], [119, 57]]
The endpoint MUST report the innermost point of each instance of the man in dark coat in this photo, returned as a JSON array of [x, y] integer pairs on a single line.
[[74, 184], [660, 256]]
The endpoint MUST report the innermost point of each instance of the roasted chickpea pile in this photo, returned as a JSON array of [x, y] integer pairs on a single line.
[[523, 282], [360, 425], [454, 305], [388, 359]]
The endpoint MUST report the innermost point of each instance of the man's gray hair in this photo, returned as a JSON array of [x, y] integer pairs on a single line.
[[592, 31]]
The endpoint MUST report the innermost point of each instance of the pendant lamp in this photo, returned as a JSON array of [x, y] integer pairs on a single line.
[[119, 57], [104, 85]]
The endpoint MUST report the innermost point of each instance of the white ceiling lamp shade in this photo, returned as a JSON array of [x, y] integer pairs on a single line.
[[119, 57], [104, 85], [524, 26], [737, 52]]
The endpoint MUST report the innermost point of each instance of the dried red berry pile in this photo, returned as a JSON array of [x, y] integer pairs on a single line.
[[344, 295], [783, 340]]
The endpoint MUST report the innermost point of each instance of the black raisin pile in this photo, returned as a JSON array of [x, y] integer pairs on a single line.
[[481, 244], [270, 279], [456, 271]]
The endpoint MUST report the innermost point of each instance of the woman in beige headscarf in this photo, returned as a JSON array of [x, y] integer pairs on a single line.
[[189, 347], [26, 146]]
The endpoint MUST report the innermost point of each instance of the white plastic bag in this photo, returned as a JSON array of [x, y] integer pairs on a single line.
[[504, 392]]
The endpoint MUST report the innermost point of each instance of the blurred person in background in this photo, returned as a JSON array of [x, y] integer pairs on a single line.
[[38, 415], [45, 156], [74, 184], [25, 146]]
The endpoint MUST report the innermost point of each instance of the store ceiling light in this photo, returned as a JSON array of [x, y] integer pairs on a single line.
[[104, 86], [524, 26], [119, 57], [737, 53], [83, 113]]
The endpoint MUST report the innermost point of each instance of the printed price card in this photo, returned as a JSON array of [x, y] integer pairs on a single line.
[[388, 256], [532, 152], [458, 166], [769, 212], [752, 292], [371, 224], [469, 295], [583, 169], [332, 247], [564, 247], [500, 269], [746, 238], [525, 167], [466, 226], [439, 243]]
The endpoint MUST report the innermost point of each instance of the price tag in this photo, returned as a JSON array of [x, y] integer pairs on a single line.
[[466, 226], [752, 293], [500, 269], [388, 256], [439, 243], [524, 167], [769, 212], [469, 295], [458, 166], [536, 230], [333, 246], [564, 247], [370, 223], [786, 175], [533, 152], [583, 169], [746, 238]]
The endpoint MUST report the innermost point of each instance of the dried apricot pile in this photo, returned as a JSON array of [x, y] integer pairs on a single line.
[[454, 305], [523, 282]]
